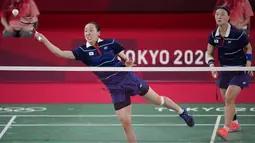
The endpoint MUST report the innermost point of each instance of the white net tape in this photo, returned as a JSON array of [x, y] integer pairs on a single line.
[[135, 69]]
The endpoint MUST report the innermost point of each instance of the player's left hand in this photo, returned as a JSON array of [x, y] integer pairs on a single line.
[[130, 63], [248, 64]]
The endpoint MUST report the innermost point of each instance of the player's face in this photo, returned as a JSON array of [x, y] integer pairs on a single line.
[[221, 17], [91, 33]]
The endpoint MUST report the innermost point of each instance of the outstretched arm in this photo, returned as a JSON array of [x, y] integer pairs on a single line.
[[54, 49]]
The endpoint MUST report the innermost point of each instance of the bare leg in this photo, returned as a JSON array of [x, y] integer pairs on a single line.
[[223, 94], [124, 116], [230, 110], [154, 98], [230, 107]]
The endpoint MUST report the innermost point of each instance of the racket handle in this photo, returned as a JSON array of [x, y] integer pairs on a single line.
[[39, 38], [215, 75]]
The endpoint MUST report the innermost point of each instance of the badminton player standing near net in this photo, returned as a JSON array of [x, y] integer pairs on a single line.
[[121, 85], [231, 43]]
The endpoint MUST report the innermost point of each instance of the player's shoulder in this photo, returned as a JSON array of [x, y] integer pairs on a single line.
[[109, 41], [81, 46], [213, 33], [236, 33]]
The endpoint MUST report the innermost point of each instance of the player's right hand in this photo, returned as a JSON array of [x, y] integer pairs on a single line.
[[215, 74], [40, 37]]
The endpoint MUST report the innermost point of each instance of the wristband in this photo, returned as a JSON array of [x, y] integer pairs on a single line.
[[249, 57], [211, 62]]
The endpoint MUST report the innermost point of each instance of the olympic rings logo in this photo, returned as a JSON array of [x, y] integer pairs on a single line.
[[22, 109]]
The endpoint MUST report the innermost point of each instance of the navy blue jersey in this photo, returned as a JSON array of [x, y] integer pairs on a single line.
[[105, 55], [230, 47]]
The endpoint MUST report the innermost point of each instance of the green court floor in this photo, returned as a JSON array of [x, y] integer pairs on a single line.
[[97, 123]]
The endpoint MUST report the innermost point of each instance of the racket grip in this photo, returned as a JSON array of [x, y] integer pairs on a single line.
[[38, 38], [215, 75]]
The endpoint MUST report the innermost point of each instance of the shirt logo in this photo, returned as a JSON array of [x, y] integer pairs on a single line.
[[229, 42], [105, 48], [91, 53], [216, 41]]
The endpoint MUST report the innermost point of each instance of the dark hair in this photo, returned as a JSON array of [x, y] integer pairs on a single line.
[[224, 8], [96, 25]]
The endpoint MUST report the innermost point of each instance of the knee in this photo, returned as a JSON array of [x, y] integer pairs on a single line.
[[160, 100], [126, 122], [229, 100]]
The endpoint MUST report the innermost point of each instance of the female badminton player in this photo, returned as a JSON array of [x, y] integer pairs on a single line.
[[231, 43], [121, 85]]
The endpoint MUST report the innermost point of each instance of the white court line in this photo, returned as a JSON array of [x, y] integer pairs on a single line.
[[100, 125], [7, 126], [217, 123], [103, 116], [112, 125]]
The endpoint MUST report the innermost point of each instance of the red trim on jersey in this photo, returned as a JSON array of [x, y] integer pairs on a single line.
[[223, 40], [98, 49]]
